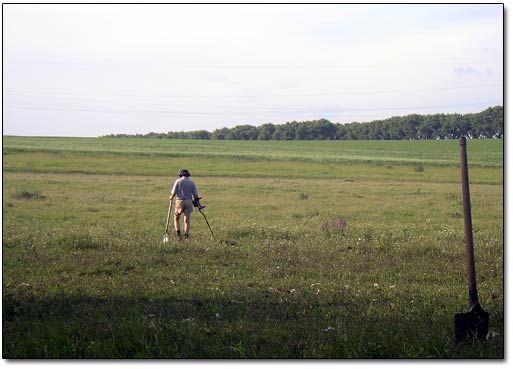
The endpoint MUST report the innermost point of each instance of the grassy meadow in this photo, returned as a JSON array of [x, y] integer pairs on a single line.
[[323, 249]]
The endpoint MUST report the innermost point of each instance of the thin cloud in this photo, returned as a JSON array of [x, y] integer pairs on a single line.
[[191, 67]]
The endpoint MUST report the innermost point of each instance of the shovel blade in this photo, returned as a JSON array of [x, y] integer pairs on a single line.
[[471, 325]]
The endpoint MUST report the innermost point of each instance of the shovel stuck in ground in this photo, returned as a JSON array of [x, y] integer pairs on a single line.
[[474, 323], [165, 237]]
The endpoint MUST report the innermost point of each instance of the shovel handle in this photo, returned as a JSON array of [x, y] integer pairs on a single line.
[[168, 217], [467, 216]]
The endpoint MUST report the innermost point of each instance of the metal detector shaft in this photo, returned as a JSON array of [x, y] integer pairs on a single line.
[[204, 216]]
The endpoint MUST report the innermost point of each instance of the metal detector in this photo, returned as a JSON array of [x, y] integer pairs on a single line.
[[204, 216]]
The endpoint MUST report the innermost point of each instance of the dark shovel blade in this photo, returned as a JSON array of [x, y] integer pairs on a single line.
[[471, 325]]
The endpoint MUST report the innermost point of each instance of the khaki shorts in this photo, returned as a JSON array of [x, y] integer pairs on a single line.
[[183, 207]]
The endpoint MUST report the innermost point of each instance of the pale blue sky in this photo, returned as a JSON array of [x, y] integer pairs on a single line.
[[88, 70]]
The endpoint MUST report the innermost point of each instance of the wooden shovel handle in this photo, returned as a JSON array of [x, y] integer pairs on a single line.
[[469, 241]]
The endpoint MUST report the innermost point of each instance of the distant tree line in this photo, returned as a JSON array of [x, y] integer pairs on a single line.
[[487, 124]]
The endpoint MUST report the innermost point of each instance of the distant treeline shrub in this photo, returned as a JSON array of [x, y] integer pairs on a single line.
[[487, 124]]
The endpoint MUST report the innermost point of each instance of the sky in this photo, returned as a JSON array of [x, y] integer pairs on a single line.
[[98, 69]]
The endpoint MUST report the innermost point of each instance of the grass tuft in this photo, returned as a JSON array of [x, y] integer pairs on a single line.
[[80, 241], [418, 168], [29, 195]]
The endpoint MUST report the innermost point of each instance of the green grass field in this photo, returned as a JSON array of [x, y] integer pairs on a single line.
[[324, 249]]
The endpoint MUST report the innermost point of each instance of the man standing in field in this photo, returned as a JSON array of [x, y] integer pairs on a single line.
[[184, 190]]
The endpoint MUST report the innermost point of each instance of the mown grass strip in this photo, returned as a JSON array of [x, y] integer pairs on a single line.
[[439, 153], [107, 164]]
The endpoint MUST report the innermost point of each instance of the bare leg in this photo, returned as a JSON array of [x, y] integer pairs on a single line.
[[177, 222], [187, 223]]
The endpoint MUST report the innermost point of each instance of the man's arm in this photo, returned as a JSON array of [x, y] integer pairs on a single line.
[[172, 194], [195, 192]]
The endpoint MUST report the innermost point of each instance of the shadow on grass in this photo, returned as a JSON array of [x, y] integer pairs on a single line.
[[266, 326]]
